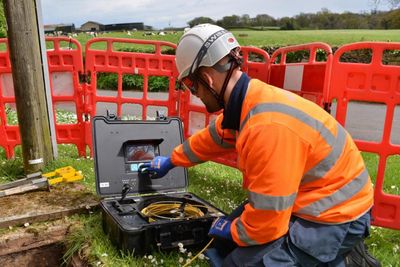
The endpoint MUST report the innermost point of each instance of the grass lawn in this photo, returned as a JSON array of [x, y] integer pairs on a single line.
[[331, 37], [218, 184], [275, 38]]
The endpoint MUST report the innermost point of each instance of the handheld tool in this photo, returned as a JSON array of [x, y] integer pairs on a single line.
[[39, 181]]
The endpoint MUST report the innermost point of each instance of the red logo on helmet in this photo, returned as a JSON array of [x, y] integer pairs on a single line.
[[231, 40]]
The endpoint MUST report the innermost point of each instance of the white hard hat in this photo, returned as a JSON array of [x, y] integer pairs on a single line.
[[202, 45]]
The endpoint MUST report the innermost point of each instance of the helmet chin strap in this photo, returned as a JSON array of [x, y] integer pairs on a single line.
[[234, 62], [228, 76], [209, 88], [219, 97]]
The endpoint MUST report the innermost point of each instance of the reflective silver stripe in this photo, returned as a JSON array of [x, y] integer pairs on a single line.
[[190, 154], [343, 194], [242, 234], [319, 170], [212, 129], [337, 143], [268, 202], [298, 114]]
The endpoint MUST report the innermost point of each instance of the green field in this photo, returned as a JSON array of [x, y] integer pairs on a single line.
[[331, 37], [273, 38]]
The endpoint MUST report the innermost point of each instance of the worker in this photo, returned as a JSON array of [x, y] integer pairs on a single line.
[[309, 194]]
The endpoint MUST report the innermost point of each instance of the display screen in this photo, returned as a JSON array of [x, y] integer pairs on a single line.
[[139, 152]]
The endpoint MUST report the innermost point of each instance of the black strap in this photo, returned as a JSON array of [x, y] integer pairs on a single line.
[[226, 81], [203, 49], [234, 61]]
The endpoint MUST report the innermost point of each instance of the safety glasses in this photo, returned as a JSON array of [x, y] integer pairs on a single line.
[[190, 85]]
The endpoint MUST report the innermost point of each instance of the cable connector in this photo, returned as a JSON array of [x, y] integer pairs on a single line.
[[125, 190]]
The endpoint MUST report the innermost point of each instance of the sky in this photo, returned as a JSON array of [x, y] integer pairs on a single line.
[[176, 13]]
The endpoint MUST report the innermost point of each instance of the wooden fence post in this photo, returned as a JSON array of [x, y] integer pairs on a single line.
[[25, 53]]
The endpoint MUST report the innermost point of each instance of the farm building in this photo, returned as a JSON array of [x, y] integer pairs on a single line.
[[92, 26], [66, 28], [124, 26]]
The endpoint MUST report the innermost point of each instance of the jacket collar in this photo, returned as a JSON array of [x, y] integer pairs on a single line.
[[234, 107]]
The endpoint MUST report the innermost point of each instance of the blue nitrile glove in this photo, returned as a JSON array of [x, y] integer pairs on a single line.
[[221, 228], [158, 167]]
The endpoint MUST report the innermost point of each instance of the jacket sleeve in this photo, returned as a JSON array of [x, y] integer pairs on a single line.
[[204, 145], [274, 159]]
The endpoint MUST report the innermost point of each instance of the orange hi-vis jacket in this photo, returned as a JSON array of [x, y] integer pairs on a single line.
[[296, 159]]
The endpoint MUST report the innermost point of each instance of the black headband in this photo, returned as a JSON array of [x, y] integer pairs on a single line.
[[203, 50]]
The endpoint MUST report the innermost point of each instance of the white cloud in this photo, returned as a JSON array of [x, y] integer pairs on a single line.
[[177, 13]]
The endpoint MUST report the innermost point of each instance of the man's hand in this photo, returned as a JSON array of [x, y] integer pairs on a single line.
[[158, 167], [221, 228]]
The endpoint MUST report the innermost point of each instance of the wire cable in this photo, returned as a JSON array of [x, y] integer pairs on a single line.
[[172, 210], [198, 254], [175, 210]]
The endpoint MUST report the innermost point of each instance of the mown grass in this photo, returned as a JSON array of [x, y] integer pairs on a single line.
[[218, 184], [331, 37], [275, 38]]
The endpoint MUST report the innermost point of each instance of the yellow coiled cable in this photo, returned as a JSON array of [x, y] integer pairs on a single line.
[[173, 210]]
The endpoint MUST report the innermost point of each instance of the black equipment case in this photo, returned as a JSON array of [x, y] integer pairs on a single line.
[[120, 146]]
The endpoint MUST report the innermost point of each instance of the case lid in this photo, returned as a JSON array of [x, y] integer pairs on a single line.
[[120, 146]]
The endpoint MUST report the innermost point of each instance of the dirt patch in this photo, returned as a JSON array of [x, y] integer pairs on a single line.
[[59, 201], [49, 256], [18, 239], [41, 244]]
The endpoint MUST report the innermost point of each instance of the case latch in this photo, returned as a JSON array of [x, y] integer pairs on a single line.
[[111, 116], [165, 239], [160, 116]]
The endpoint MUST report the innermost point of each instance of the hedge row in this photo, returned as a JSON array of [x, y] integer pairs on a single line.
[[109, 81]]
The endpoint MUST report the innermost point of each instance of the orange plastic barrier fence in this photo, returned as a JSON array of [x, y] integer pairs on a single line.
[[307, 77], [65, 66], [354, 87], [195, 115], [9, 131], [136, 75], [362, 87], [256, 62]]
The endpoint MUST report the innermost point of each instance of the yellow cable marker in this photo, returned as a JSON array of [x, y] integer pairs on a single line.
[[65, 174], [39, 181]]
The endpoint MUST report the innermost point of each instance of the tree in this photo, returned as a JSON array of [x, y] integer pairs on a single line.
[[393, 4], [200, 20], [3, 23], [393, 19], [264, 20], [287, 23], [324, 19], [349, 20], [229, 21], [304, 20], [245, 20]]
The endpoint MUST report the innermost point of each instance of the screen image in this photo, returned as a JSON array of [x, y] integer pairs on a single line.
[[142, 152]]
